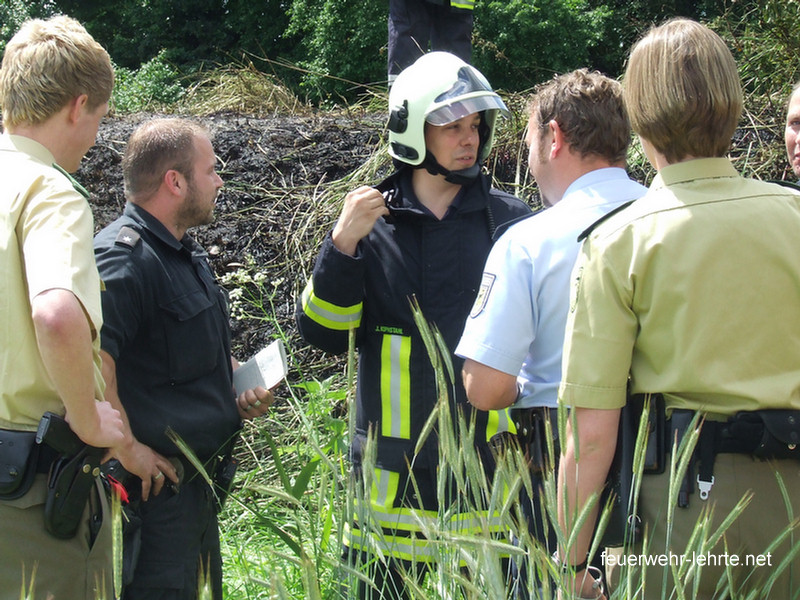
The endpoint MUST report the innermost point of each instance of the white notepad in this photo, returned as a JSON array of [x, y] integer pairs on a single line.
[[266, 369]]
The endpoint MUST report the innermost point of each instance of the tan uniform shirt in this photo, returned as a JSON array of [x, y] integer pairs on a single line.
[[45, 243], [694, 289]]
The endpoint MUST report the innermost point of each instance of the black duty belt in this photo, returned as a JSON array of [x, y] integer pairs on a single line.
[[763, 434]]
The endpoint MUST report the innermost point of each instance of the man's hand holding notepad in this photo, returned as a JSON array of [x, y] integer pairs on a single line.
[[266, 369]]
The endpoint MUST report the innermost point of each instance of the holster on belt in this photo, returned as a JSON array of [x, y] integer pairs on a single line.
[[72, 476], [766, 434], [624, 527], [532, 436]]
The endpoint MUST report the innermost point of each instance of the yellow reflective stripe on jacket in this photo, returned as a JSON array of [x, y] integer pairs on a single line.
[[402, 547], [396, 386], [467, 4], [499, 421], [383, 513], [413, 546], [415, 519], [330, 316], [412, 549], [384, 488], [409, 547], [398, 531]]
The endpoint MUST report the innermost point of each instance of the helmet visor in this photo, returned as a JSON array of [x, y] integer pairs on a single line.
[[469, 94], [463, 108]]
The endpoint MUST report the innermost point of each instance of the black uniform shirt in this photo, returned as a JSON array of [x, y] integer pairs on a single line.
[[166, 326]]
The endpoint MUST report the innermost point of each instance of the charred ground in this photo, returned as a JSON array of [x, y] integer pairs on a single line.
[[278, 199], [274, 171]]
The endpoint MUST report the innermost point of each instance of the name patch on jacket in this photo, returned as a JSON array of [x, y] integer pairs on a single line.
[[389, 330], [487, 281]]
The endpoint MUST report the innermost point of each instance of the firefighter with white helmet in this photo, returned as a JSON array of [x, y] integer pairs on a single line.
[[439, 89], [423, 233]]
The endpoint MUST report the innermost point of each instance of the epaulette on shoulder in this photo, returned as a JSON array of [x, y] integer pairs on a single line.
[[792, 185], [128, 236], [78, 187], [588, 231]]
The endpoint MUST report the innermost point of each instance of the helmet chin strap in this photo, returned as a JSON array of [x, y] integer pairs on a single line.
[[460, 177]]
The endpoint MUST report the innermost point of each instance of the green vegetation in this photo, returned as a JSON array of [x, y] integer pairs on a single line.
[[519, 43], [150, 87], [329, 51], [283, 529]]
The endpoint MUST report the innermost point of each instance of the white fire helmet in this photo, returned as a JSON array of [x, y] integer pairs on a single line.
[[438, 88]]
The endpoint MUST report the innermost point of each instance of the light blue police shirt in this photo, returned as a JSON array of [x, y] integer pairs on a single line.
[[518, 321]]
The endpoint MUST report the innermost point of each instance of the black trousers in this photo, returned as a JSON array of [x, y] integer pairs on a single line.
[[414, 25], [179, 537], [532, 441], [388, 580]]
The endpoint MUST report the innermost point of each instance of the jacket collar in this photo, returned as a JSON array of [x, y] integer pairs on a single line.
[[156, 228], [398, 186]]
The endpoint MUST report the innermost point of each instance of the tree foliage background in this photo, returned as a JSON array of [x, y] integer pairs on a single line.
[[329, 50]]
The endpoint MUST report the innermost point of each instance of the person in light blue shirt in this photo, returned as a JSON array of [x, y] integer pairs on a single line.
[[518, 327], [578, 136]]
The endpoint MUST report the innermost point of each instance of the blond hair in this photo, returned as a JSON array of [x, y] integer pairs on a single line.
[[682, 90], [588, 108], [46, 65]]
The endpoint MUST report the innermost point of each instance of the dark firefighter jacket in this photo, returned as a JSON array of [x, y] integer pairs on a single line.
[[412, 253]]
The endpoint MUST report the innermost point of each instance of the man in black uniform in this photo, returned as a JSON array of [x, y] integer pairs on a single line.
[[424, 232], [445, 25], [166, 353]]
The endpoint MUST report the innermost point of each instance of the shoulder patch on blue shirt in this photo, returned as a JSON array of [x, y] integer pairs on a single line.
[[483, 294]]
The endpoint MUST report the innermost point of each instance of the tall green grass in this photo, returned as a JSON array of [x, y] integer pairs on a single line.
[[284, 527]]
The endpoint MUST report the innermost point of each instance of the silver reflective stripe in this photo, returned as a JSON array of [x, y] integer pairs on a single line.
[[383, 482], [330, 316], [396, 386]]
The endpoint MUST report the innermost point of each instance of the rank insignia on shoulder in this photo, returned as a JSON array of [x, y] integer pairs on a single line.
[[588, 231], [128, 236]]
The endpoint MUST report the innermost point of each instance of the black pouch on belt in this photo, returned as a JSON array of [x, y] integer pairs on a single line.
[[19, 454], [777, 432], [223, 478]]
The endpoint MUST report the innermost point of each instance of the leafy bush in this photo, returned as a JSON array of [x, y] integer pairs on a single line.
[[345, 41], [765, 40], [518, 43], [14, 13], [154, 84]]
